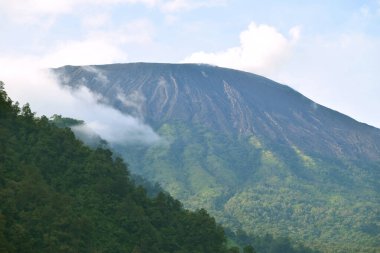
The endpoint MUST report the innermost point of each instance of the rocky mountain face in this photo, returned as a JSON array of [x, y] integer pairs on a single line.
[[257, 154], [229, 101]]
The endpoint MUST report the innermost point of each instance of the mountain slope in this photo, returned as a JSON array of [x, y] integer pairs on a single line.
[[58, 195], [257, 154]]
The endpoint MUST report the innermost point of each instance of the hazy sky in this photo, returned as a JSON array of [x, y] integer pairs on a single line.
[[328, 50]]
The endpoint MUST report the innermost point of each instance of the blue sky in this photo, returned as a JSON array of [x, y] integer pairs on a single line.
[[327, 50]]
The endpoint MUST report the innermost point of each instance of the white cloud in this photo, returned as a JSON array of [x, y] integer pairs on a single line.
[[137, 31], [98, 46], [364, 11], [44, 13], [368, 11], [85, 52], [262, 48], [175, 5], [42, 7], [96, 21], [99, 75], [24, 83], [184, 5], [36, 11], [110, 124], [134, 101], [35, 6]]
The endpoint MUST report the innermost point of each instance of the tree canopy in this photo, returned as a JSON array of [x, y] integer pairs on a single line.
[[58, 195]]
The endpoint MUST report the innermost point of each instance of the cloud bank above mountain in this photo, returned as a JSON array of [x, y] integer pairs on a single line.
[[261, 50]]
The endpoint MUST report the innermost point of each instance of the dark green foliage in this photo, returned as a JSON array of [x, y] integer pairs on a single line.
[[267, 243], [63, 122], [58, 195], [234, 250], [81, 131], [248, 249]]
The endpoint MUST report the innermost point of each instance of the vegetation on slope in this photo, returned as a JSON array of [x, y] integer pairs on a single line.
[[248, 243], [58, 195], [270, 189], [267, 243]]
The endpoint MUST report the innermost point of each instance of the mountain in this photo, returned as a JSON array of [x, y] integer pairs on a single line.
[[257, 154]]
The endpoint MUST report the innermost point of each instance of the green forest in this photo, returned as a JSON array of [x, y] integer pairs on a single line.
[[266, 188], [59, 195]]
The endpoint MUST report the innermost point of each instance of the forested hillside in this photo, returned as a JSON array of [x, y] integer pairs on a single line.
[[58, 195]]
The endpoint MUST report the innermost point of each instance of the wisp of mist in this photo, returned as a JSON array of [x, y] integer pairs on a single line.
[[39, 87]]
